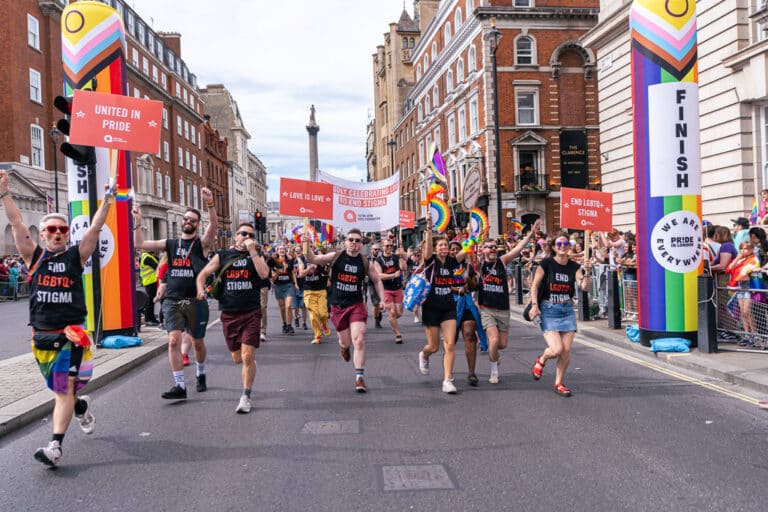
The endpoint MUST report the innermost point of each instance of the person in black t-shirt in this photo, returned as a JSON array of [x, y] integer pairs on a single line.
[[559, 276], [243, 269], [285, 285], [493, 297], [56, 311], [182, 310], [438, 312], [348, 313], [391, 268]]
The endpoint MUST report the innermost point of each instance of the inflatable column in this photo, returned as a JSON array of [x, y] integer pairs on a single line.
[[93, 54], [665, 110]]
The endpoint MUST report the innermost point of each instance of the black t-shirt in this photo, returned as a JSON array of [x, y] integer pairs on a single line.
[[283, 269], [441, 275], [57, 297], [240, 282], [299, 280], [347, 280], [317, 278], [185, 261], [389, 265], [560, 279], [494, 292]]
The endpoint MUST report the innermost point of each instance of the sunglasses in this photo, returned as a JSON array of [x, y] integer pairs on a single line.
[[562, 244], [354, 240], [190, 220], [53, 229], [387, 246], [246, 233], [490, 247]]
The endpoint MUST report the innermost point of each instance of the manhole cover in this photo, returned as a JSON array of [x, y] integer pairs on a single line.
[[331, 427], [416, 478]]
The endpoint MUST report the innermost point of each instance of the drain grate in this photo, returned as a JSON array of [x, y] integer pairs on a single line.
[[416, 478], [331, 427]]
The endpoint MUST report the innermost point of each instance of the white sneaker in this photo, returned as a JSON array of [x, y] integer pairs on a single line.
[[415, 319], [263, 338], [494, 378], [449, 387], [423, 364], [87, 421], [49, 455], [244, 407]]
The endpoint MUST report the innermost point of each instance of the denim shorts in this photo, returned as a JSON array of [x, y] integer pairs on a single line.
[[285, 290], [557, 317]]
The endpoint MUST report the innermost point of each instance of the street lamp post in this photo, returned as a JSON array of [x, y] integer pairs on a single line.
[[55, 141], [493, 37]]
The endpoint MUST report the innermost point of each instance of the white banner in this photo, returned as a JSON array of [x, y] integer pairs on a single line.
[[371, 206]]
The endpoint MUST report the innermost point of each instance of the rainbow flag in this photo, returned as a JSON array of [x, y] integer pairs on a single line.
[[754, 217]]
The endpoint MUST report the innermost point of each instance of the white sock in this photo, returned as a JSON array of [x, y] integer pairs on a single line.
[[178, 379], [199, 368], [494, 366]]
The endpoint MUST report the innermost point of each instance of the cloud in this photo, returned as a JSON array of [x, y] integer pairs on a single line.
[[277, 62]]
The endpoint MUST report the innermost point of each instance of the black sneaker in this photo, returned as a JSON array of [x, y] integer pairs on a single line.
[[289, 330], [296, 322], [201, 386], [285, 328], [305, 327], [176, 393]]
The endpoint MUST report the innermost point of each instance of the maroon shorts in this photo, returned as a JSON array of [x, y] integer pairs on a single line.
[[393, 296], [241, 328], [342, 317]]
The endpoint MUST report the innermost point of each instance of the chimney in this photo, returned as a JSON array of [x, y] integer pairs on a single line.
[[424, 11]]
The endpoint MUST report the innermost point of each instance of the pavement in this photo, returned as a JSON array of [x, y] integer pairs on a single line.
[[24, 398]]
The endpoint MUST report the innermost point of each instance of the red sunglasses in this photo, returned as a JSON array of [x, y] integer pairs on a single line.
[[53, 229]]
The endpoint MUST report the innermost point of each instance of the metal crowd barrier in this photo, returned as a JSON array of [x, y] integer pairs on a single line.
[[742, 320], [13, 291]]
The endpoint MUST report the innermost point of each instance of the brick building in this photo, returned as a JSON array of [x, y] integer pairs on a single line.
[[216, 171], [547, 98]]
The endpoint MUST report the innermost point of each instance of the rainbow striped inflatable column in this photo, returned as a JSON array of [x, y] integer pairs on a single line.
[[93, 53], [667, 166]]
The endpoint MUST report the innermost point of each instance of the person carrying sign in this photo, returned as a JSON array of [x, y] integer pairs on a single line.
[[243, 268], [182, 310], [348, 313], [56, 311]]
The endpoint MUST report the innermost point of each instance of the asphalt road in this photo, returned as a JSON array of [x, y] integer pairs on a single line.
[[629, 439], [14, 317]]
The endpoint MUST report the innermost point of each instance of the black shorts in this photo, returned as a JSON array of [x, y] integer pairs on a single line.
[[431, 317]]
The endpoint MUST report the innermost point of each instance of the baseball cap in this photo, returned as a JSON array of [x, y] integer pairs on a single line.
[[741, 221]]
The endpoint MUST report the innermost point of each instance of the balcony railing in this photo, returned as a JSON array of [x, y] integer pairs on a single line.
[[533, 183]]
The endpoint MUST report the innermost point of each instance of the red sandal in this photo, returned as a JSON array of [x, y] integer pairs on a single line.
[[561, 390], [538, 368]]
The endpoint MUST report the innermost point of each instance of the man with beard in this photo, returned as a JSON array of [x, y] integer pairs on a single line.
[[182, 310], [242, 270], [56, 311], [391, 267], [348, 313]]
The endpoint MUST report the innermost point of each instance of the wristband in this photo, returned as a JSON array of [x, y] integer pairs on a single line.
[[4, 194], [210, 205]]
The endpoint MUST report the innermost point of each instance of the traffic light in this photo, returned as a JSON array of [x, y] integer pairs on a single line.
[[82, 155], [261, 222]]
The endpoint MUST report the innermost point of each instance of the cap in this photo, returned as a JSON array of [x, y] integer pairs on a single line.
[[706, 222], [741, 221]]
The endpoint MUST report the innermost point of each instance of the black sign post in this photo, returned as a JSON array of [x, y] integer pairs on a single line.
[[574, 172]]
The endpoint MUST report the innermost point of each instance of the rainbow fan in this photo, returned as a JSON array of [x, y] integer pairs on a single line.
[[516, 225], [124, 194], [440, 213], [478, 223]]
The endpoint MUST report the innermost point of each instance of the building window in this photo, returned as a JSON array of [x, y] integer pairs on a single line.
[[164, 81], [136, 92], [437, 137], [35, 92], [159, 181], [135, 57], [168, 188], [129, 22], [165, 118], [194, 195], [525, 101], [181, 157], [33, 32], [451, 131], [462, 124], [420, 113], [524, 50], [179, 126], [181, 192], [460, 71], [471, 59], [435, 96], [189, 168], [184, 95], [474, 121], [192, 133], [523, 3], [145, 65], [447, 33], [449, 82], [38, 155], [186, 129], [166, 151], [427, 105], [434, 51], [470, 5], [154, 73], [426, 62], [418, 72], [178, 90], [457, 18], [421, 153], [194, 163]]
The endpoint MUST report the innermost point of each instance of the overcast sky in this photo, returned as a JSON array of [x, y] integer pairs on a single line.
[[277, 59]]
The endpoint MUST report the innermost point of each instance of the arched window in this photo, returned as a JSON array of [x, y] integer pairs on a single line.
[[405, 42], [524, 50], [447, 33], [470, 5], [435, 96], [418, 71], [449, 81], [420, 113], [460, 70], [434, 51], [427, 105], [426, 62], [412, 43], [457, 18], [471, 59]]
